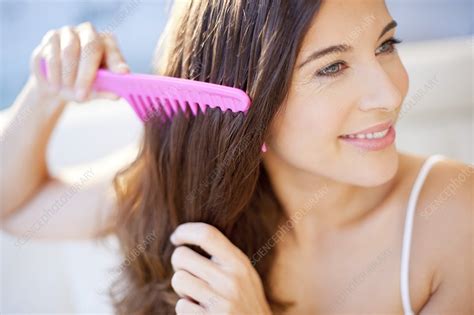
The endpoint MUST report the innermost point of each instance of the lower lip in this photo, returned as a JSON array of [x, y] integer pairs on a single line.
[[373, 144]]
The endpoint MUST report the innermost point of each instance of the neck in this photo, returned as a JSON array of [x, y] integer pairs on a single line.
[[319, 204]]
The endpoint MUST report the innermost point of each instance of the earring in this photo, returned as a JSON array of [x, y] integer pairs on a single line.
[[264, 147]]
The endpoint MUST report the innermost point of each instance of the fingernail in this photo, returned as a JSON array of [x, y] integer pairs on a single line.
[[173, 237], [81, 94]]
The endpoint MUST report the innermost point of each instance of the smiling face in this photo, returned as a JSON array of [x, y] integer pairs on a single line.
[[359, 85]]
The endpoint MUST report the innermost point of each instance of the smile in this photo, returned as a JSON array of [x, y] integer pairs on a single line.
[[372, 135], [372, 139]]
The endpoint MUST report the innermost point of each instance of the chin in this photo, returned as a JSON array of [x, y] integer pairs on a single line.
[[376, 168]]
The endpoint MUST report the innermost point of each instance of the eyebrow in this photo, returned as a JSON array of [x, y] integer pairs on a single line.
[[341, 47]]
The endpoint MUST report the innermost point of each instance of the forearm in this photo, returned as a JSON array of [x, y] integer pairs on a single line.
[[24, 137]]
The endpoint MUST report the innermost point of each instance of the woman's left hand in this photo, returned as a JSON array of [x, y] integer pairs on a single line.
[[225, 284]]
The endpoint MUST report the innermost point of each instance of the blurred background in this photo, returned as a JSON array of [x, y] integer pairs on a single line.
[[71, 277], [139, 23]]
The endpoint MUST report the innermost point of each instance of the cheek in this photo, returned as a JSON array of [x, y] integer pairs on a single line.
[[404, 81], [309, 125], [400, 78]]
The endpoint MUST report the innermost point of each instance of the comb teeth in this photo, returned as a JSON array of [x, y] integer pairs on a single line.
[[167, 107], [194, 105], [176, 105], [142, 106], [154, 106], [147, 106], [194, 108], [135, 106]]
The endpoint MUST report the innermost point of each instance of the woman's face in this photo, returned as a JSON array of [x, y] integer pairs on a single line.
[[341, 93]]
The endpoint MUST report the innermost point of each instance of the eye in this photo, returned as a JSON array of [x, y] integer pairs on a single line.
[[337, 68], [388, 46], [331, 70]]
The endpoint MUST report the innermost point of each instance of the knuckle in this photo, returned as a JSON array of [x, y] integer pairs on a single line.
[[207, 232], [88, 34], [67, 29], [86, 25], [240, 271], [90, 40], [109, 37], [94, 37], [50, 35], [242, 259]]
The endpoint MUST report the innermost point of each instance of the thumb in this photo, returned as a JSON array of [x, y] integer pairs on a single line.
[[113, 58]]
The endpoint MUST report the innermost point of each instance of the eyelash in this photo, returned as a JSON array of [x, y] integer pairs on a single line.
[[323, 72]]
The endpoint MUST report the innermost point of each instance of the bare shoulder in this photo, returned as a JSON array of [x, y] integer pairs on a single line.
[[449, 183], [443, 226], [448, 187]]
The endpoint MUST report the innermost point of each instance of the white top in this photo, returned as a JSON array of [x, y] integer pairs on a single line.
[[405, 257]]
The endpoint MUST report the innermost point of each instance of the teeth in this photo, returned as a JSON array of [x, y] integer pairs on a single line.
[[373, 135]]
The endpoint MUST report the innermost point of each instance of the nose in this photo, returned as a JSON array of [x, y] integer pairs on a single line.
[[378, 91]]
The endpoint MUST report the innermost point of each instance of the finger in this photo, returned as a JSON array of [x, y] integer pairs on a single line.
[[51, 55], [70, 53], [91, 55], [187, 285], [114, 59], [35, 66], [184, 258], [186, 307], [208, 238]]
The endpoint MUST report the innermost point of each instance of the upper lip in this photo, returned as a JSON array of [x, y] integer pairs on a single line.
[[375, 128]]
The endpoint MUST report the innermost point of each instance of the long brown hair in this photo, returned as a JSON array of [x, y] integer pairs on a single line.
[[208, 168]]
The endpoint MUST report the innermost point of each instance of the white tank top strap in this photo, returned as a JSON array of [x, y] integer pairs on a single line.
[[407, 233]]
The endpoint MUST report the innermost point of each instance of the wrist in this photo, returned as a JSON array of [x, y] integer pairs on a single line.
[[38, 99], [32, 115]]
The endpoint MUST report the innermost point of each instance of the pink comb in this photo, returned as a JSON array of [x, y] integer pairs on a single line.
[[151, 95], [156, 95]]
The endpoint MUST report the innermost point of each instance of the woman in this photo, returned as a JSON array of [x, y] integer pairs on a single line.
[[318, 223]]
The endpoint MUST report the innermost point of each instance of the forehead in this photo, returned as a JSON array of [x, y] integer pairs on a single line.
[[346, 21]]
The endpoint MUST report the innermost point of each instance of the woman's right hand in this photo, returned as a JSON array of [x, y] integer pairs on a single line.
[[73, 55]]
